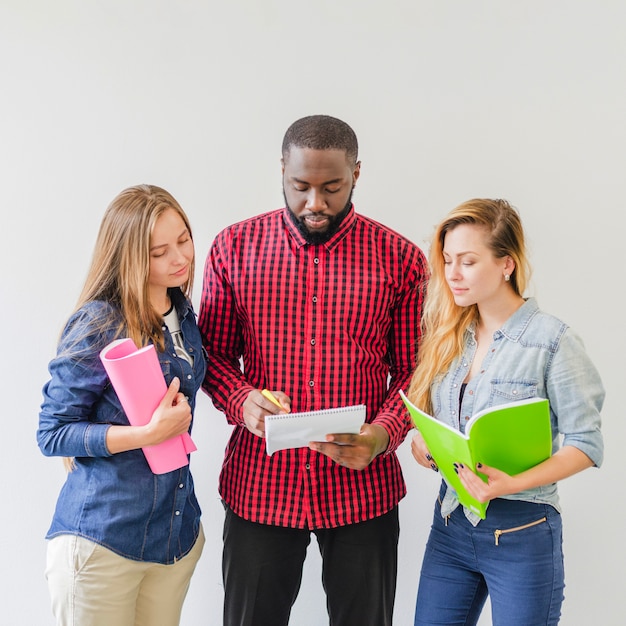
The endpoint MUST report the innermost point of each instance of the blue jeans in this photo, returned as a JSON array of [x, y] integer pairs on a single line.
[[521, 569]]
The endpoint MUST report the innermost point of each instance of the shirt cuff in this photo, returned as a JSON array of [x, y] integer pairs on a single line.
[[95, 440]]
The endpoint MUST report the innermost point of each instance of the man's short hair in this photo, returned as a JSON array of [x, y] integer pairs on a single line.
[[321, 132]]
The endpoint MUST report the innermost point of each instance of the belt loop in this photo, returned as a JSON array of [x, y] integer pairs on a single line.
[[447, 517]]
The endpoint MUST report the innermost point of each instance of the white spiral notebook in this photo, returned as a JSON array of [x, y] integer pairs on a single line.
[[296, 430]]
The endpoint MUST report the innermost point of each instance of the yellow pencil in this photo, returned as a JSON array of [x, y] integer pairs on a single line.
[[271, 397]]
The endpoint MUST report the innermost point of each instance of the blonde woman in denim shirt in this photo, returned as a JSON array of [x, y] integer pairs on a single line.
[[124, 542], [485, 344]]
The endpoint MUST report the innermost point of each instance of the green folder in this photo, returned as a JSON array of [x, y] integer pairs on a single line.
[[511, 437]]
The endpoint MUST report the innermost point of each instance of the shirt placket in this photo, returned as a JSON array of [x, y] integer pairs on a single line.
[[180, 499], [467, 406], [312, 315]]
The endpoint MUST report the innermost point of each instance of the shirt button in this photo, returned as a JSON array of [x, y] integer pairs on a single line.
[[514, 392], [311, 383], [181, 486], [312, 342], [314, 298], [308, 466], [316, 260], [188, 376], [471, 393], [467, 418], [177, 513]]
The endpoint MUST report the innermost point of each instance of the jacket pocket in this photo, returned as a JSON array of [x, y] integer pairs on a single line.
[[512, 390]]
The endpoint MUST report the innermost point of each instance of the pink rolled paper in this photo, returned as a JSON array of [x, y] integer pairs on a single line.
[[138, 380]]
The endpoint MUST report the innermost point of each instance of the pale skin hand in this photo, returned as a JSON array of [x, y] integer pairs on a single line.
[[420, 453], [172, 417], [256, 406], [566, 462], [354, 451]]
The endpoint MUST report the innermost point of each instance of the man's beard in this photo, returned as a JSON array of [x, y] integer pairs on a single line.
[[315, 237]]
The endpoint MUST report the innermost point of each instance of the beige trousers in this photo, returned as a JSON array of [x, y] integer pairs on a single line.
[[92, 586]]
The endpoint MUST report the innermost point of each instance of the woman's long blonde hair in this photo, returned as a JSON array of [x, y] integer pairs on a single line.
[[444, 323], [120, 267]]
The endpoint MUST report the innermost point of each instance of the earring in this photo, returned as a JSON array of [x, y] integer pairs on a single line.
[[507, 278]]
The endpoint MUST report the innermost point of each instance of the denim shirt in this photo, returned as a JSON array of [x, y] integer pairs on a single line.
[[533, 355], [114, 499]]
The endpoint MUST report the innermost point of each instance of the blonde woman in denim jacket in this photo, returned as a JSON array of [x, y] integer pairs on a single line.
[[124, 542], [484, 344]]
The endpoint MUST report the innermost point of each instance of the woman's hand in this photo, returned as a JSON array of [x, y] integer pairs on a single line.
[[421, 454], [564, 463], [172, 417], [498, 483]]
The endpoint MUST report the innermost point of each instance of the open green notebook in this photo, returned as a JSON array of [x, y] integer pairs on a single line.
[[511, 437]]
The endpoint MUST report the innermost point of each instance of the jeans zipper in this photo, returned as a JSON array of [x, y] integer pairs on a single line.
[[498, 532]]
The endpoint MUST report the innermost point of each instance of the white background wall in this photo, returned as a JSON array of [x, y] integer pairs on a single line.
[[450, 100]]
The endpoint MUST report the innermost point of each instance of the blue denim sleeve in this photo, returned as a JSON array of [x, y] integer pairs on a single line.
[[69, 424], [576, 397]]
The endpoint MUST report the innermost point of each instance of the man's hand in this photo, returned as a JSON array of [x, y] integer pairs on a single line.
[[257, 406], [354, 451]]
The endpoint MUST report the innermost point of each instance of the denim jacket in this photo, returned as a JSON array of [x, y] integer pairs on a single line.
[[533, 355], [115, 500]]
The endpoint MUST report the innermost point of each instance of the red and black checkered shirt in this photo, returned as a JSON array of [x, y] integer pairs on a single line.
[[330, 325]]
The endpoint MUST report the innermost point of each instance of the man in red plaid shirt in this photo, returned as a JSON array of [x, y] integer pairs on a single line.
[[321, 306]]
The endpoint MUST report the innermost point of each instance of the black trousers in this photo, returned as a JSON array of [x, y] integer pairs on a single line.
[[262, 571]]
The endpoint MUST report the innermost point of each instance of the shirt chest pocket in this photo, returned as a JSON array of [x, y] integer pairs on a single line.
[[512, 390]]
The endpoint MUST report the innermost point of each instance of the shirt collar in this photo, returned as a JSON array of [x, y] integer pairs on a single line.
[[515, 326], [179, 300]]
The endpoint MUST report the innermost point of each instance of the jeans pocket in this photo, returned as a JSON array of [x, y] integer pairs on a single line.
[[497, 533]]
